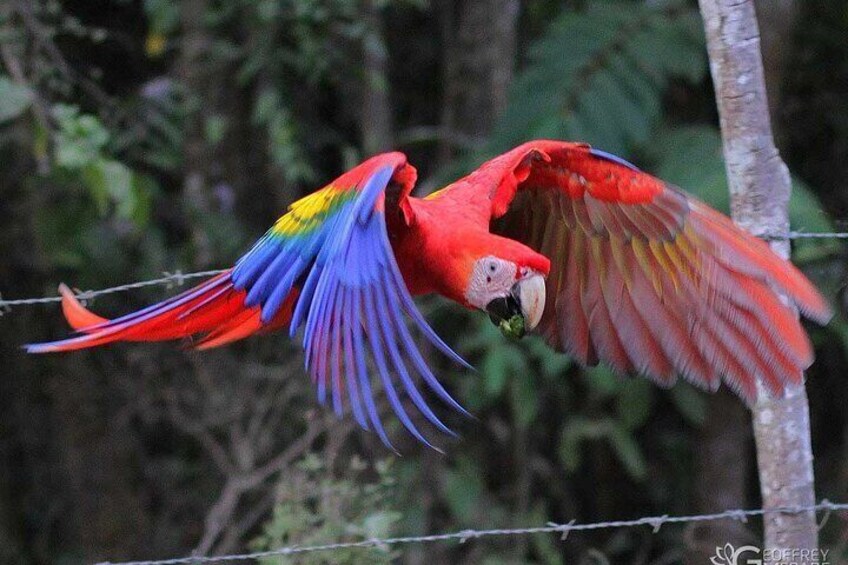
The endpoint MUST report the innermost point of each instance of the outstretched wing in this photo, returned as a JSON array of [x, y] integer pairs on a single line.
[[644, 277], [327, 265]]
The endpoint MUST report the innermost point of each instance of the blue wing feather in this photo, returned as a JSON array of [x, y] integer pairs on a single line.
[[353, 387], [354, 307], [400, 366], [614, 158], [380, 360], [361, 371]]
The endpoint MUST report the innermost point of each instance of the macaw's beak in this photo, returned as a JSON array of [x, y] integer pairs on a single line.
[[521, 310]]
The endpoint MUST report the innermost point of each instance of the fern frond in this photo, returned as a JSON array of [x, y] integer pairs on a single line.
[[599, 75]]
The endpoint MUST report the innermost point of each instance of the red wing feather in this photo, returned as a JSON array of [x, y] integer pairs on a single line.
[[644, 276]]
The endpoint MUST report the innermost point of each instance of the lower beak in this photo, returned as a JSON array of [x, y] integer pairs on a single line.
[[521, 310]]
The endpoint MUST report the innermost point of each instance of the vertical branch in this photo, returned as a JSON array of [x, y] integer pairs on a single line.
[[480, 39], [777, 23], [760, 185], [376, 118], [193, 75], [723, 461]]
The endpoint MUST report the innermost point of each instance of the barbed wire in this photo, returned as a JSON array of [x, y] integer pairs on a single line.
[[462, 536], [809, 235], [178, 278], [656, 522]]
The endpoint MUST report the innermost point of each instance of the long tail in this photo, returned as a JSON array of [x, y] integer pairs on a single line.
[[214, 310]]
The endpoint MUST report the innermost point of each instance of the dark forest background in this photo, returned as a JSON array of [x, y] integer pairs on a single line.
[[138, 137]]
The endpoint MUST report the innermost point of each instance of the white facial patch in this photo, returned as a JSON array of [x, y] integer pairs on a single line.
[[491, 278]]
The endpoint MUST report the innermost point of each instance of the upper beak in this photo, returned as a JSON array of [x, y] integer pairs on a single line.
[[525, 302], [530, 294]]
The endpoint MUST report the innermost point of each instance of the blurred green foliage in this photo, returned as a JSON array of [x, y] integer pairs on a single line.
[[313, 508], [600, 74], [80, 151], [15, 99]]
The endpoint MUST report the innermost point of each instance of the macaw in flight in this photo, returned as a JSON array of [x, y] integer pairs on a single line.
[[606, 262]]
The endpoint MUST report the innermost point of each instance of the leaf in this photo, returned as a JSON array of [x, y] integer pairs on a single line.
[[463, 491], [594, 107], [572, 435], [266, 105], [81, 138], [602, 382], [628, 452], [163, 16], [599, 75], [215, 128], [690, 402], [144, 188], [581, 429], [379, 524], [502, 362], [525, 400], [494, 372], [634, 402], [72, 153], [119, 182], [95, 181], [15, 99], [552, 363]]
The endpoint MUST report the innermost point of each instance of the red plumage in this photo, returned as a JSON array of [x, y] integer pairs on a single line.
[[639, 275]]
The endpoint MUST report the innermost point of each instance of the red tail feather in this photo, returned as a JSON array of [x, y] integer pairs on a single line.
[[213, 308], [77, 315]]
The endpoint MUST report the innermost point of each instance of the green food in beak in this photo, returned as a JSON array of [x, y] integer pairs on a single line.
[[521, 310], [513, 328], [506, 314]]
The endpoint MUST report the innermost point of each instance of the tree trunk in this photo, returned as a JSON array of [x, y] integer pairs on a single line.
[[191, 71], [376, 114], [776, 21], [759, 185], [722, 464], [480, 45]]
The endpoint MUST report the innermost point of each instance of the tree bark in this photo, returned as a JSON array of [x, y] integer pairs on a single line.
[[480, 44], [722, 466], [777, 22], [192, 73], [376, 116], [760, 185]]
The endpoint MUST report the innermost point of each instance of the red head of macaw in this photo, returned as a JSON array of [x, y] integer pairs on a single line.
[[605, 261]]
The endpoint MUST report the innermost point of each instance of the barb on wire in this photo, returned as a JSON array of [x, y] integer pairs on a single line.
[[463, 536], [177, 278]]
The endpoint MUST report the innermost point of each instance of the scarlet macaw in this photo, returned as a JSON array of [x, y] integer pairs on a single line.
[[605, 261]]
